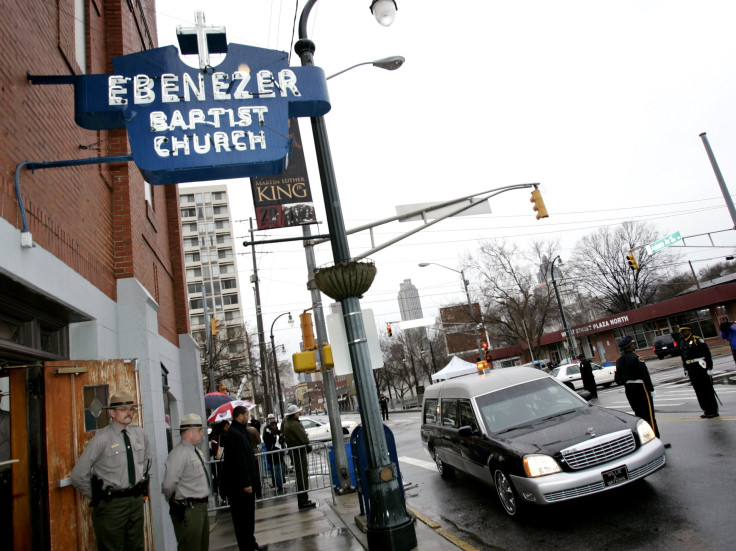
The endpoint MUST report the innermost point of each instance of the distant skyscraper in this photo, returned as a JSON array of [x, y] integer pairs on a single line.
[[410, 306]]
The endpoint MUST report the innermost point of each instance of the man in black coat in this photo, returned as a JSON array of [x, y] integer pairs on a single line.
[[242, 480], [632, 372], [698, 364], [586, 372]]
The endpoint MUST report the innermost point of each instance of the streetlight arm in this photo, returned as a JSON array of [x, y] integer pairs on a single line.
[[389, 63]]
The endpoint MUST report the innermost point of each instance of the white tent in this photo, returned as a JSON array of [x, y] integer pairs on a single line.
[[455, 368]]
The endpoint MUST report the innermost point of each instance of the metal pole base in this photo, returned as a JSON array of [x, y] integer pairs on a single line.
[[396, 538]]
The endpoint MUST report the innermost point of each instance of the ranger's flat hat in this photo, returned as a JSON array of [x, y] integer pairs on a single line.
[[683, 327], [121, 398], [191, 421], [292, 409]]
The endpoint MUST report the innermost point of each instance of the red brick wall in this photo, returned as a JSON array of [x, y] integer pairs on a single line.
[[93, 218]]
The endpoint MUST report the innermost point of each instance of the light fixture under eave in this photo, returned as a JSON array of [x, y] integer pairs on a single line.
[[384, 11]]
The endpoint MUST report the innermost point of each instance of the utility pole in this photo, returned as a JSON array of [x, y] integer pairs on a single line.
[[328, 375], [259, 321]]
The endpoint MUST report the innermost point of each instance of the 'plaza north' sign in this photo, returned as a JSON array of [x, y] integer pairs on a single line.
[[185, 124]]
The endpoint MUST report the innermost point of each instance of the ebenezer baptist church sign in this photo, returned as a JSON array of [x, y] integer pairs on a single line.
[[186, 124]]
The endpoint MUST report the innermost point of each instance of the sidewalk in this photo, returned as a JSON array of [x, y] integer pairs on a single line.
[[328, 527]]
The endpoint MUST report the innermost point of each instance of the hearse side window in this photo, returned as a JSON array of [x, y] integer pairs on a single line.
[[449, 414], [430, 411], [467, 417]]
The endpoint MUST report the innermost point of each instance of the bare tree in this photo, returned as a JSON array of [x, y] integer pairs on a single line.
[[233, 360], [517, 303], [599, 265]]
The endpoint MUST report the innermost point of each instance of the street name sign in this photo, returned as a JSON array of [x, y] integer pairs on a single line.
[[662, 243]]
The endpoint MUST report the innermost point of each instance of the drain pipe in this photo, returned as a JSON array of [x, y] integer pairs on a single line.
[[26, 239]]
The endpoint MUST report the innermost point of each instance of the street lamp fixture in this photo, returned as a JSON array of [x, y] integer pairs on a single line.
[[479, 325], [389, 526], [570, 344], [276, 363], [389, 63]]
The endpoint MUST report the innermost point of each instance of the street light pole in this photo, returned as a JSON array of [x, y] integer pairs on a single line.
[[389, 526], [479, 325], [280, 396], [570, 344]]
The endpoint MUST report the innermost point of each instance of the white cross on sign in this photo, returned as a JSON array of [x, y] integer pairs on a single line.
[[201, 40]]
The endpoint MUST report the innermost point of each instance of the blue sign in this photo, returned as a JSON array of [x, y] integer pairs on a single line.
[[186, 125]]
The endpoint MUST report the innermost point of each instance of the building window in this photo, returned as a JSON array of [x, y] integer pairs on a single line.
[[219, 196], [194, 272], [80, 34], [224, 253], [191, 257], [224, 240], [232, 315], [188, 213], [222, 225], [148, 192], [184, 199], [229, 299], [197, 320], [227, 269], [195, 304], [194, 288], [95, 400], [229, 284], [191, 242], [220, 210], [189, 227]]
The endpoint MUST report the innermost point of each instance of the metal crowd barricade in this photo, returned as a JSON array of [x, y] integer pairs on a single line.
[[269, 465]]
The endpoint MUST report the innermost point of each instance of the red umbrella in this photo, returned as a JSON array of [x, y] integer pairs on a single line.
[[225, 411], [215, 399]]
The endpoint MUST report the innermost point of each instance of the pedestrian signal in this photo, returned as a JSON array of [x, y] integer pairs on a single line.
[[388, 330], [538, 202], [631, 258]]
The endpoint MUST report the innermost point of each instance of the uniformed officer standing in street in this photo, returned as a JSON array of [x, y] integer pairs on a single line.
[[632, 372], [698, 364], [586, 373], [113, 472], [296, 437], [186, 487]]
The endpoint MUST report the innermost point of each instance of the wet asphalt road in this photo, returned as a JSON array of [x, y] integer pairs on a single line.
[[688, 505]]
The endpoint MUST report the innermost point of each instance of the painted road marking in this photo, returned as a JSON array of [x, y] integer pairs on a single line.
[[418, 462]]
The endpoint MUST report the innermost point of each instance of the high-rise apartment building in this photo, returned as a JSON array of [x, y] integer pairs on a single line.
[[410, 306], [209, 258]]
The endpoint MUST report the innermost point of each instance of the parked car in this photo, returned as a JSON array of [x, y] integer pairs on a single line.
[[569, 375], [533, 439], [320, 430], [666, 345]]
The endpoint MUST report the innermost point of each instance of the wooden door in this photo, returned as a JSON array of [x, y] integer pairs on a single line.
[[75, 393]]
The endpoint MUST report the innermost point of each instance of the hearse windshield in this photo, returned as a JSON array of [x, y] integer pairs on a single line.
[[525, 404]]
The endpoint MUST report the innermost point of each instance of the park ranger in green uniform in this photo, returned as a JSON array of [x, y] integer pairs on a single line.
[[113, 472], [187, 487]]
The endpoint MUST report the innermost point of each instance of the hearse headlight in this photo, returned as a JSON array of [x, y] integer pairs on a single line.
[[644, 431], [540, 465]]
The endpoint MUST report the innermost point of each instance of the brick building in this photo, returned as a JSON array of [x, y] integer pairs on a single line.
[[92, 292]]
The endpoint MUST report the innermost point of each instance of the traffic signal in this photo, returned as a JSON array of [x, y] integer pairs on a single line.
[[633, 264], [215, 326], [482, 365], [388, 330], [539, 204], [485, 346], [305, 319]]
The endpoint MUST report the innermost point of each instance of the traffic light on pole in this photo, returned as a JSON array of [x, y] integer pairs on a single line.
[[539, 204], [388, 330], [215, 326], [633, 264]]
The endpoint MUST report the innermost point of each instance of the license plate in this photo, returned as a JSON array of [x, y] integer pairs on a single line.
[[615, 476], [664, 348]]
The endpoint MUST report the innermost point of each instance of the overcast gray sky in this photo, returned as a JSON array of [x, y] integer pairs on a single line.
[[601, 102]]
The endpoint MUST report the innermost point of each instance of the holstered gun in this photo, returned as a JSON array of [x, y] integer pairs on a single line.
[[98, 492], [176, 508]]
